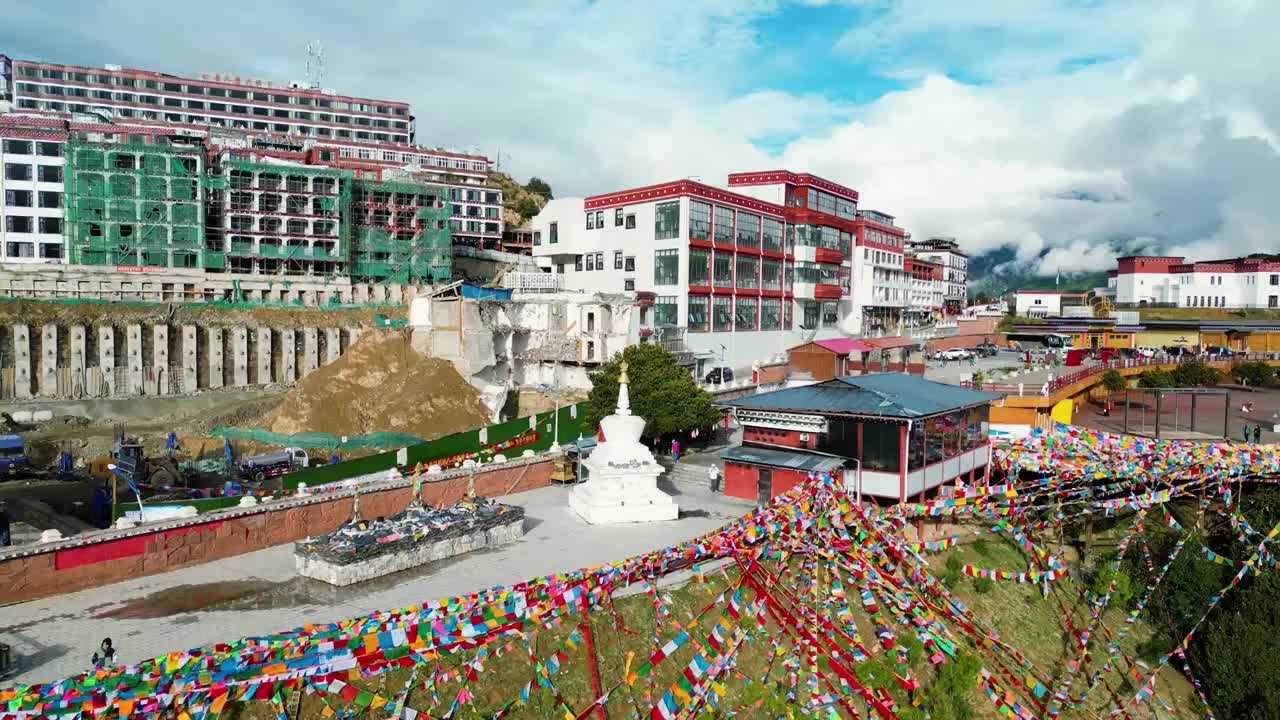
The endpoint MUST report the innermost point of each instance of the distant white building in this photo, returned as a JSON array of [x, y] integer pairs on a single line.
[[1161, 280], [955, 269], [1038, 303]]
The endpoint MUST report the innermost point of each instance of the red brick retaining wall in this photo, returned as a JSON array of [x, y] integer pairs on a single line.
[[115, 555]]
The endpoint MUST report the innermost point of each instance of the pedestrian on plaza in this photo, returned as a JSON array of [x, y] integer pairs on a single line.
[[713, 474], [1257, 433], [675, 451], [105, 656], [1245, 431]]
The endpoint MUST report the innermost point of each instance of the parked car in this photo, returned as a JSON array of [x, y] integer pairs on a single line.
[[954, 354], [986, 349], [1218, 352], [1177, 351], [1145, 352], [720, 375]]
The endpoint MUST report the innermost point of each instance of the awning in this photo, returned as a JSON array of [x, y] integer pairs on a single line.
[[781, 458]]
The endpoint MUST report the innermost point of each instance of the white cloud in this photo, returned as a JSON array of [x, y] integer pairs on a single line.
[[1092, 127]]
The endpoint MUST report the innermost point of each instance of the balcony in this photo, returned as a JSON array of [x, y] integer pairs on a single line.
[[826, 291], [828, 255]]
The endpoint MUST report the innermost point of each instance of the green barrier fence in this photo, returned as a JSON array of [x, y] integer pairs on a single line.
[[318, 439]]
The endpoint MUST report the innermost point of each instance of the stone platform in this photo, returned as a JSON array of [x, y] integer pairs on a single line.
[[363, 550]]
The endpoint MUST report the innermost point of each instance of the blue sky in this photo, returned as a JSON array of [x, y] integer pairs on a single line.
[[986, 121]]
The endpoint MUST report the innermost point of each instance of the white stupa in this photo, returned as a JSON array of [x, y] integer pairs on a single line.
[[623, 475]]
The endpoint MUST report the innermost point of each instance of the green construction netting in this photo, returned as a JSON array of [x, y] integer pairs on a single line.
[[319, 439]]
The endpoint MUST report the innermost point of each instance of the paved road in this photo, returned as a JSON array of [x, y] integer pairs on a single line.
[[258, 593]]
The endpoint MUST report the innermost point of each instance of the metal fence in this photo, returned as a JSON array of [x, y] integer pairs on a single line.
[[1049, 387]]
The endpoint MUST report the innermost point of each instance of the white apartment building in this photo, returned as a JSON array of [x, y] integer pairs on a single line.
[[31, 168], [1148, 280], [925, 302], [955, 267], [738, 274]]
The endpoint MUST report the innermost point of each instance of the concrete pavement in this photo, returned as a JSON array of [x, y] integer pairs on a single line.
[[259, 593]]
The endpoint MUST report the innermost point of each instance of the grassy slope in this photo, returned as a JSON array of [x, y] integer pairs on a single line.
[[1019, 613]]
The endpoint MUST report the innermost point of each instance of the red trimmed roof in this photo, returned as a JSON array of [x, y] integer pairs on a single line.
[[679, 188], [888, 343], [771, 177]]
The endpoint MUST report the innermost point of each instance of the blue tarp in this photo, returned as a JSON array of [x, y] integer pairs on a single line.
[[475, 292]]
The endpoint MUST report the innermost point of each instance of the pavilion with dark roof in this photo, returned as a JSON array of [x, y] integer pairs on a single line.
[[890, 435]]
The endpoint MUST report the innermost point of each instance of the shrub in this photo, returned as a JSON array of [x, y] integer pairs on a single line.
[[984, 585], [1190, 374], [1254, 373], [1155, 379], [1113, 381]]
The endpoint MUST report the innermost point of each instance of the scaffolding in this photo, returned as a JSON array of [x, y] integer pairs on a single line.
[[135, 205], [400, 233], [275, 219]]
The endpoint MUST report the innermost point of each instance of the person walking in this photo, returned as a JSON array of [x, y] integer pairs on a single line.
[[675, 451], [1245, 431], [105, 655], [1257, 433], [713, 475]]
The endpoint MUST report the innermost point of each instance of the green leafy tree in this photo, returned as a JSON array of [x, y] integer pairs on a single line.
[[1193, 373], [982, 298], [1113, 381], [1254, 373], [539, 186], [526, 206], [662, 392], [1155, 379]]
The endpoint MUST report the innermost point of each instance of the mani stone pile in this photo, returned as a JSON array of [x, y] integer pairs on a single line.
[[365, 549]]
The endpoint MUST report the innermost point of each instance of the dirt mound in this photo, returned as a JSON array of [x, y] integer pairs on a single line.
[[381, 385]]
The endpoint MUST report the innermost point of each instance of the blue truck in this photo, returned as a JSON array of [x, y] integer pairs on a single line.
[[13, 455]]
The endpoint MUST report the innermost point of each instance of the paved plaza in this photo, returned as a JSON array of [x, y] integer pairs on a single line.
[[259, 593]]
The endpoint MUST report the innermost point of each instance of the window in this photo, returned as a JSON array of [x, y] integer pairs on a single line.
[[631, 221], [882, 446], [744, 314], [629, 264], [1275, 279], [724, 225], [748, 230], [599, 261], [699, 267], [591, 263], [722, 315], [617, 259], [771, 274], [1272, 301], [17, 198], [20, 249], [51, 251], [830, 313], [13, 171], [51, 225], [809, 316], [665, 311], [722, 269], [770, 313], [18, 147], [698, 313], [49, 173], [772, 235], [50, 199], [699, 220], [617, 217], [18, 224], [600, 219], [666, 221], [629, 284], [591, 221], [666, 267], [577, 263], [554, 234], [748, 266]]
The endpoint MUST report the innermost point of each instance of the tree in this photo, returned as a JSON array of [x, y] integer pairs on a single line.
[[526, 207], [982, 298], [1254, 373], [1155, 379], [1113, 381], [662, 392], [539, 186], [1193, 373]]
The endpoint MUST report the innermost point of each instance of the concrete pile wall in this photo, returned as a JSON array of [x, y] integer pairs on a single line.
[[79, 361]]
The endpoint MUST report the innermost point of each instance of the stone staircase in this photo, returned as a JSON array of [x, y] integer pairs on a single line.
[[687, 472]]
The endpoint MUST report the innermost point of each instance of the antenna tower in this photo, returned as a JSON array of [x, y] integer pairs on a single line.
[[315, 64]]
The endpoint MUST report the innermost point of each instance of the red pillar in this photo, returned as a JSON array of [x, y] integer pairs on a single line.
[[902, 464]]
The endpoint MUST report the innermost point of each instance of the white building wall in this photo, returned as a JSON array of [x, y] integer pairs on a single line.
[[1033, 304], [44, 243]]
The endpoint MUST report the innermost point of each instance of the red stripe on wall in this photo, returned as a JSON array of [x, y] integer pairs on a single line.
[[101, 552]]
